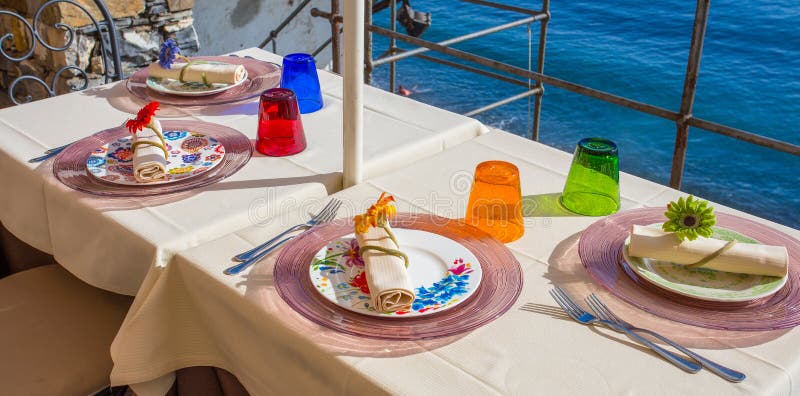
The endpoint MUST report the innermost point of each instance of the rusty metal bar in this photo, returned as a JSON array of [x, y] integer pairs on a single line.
[[475, 70], [537, 100], [689, 89], [336, 55], [501, 102], [274, 33], [367, 42], [459, 39], [503, 7], [392, 44]]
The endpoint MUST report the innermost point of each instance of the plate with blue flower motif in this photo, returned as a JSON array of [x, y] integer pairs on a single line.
[[443, 273], [190, 88], [190, 154]]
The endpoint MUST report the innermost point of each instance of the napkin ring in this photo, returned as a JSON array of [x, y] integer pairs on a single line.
[[392, 252], [148, 143], [712, 256]]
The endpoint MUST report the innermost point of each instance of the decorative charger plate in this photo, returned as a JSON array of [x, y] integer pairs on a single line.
[[261, 76], [444, 273], [501, 283], [190, 154], [70, 166], [190, 88], [600, 249], [703, 283]]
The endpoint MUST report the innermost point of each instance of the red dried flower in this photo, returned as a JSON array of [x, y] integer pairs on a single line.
[[143, 117]]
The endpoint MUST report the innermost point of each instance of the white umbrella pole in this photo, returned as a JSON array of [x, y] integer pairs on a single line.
[[353, 123]]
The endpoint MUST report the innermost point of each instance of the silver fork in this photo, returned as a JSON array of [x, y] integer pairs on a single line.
[[257, 256], [579, 315], [326, 214], [605, 313]]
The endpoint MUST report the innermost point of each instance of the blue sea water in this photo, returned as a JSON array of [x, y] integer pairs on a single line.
[[749, 79]]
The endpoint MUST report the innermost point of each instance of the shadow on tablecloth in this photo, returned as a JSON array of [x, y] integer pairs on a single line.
[[121, 99]]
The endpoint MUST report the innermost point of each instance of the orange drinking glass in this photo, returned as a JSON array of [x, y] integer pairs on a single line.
[[495, 201]]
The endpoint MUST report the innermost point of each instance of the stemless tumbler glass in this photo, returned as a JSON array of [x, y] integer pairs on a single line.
[[280, 130], [592, 186], [300, 75], [495, 201]]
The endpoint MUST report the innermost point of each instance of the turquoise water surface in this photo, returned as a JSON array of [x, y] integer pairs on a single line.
[[749, 79]]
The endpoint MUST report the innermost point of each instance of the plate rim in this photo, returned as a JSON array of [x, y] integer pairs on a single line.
[[626, 260], [158, 183], [151, 84], [476, 266]]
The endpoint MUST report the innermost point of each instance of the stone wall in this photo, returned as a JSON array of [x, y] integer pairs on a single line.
[[142, 25]]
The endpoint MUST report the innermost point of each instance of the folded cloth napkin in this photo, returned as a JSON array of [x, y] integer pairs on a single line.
[[387, 277], [149, 162], [214, 73], [744, 258]]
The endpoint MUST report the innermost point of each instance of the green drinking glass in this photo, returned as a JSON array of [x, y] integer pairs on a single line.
[[592, 187]]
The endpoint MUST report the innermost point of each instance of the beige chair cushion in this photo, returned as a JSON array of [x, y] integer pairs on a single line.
[[55, 333]]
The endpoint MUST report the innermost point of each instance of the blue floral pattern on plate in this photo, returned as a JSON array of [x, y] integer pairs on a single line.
[[337, 272]]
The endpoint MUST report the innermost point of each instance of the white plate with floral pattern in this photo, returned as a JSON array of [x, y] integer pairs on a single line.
[[190, 154], [702, 283], [189, 88], [444, 273]]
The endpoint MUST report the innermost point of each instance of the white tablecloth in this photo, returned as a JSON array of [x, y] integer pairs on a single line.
[[112, 243], [189, 313]]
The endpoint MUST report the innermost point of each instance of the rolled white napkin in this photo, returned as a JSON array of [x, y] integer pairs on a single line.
[[214, 73], [389, 284], [743, 258], [149, 163]]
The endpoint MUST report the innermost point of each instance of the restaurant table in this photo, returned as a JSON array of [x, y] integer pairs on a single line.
[[188, 313], [111, 243]]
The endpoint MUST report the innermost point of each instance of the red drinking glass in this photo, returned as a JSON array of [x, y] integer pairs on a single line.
[[280, 130]]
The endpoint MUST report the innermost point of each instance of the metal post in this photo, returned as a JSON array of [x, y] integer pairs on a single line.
[[537, 100], [353, 98], [392, 44], [689, 89], [367, 42], [335, 38]]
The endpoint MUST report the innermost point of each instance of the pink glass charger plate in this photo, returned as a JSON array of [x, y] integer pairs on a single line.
[[600, 250], [500, 286], [261, 75], [70, 165]]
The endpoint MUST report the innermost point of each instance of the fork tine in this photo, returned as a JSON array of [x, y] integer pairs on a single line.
[[601, 313], [570, 300], [605, 308], [332, 212], [563, 304], [324, 210]]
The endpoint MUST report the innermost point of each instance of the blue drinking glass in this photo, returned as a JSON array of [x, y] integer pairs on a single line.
[[300, 75]]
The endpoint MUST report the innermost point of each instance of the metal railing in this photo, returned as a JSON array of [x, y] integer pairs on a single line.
[[107, 37], [683, 118]]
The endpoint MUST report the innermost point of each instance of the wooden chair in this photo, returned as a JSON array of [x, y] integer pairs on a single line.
[[55, 333]]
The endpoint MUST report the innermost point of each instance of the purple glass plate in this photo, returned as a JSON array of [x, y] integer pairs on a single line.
[[600, 250], [261, 76], [70, 165], [500, 286]]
